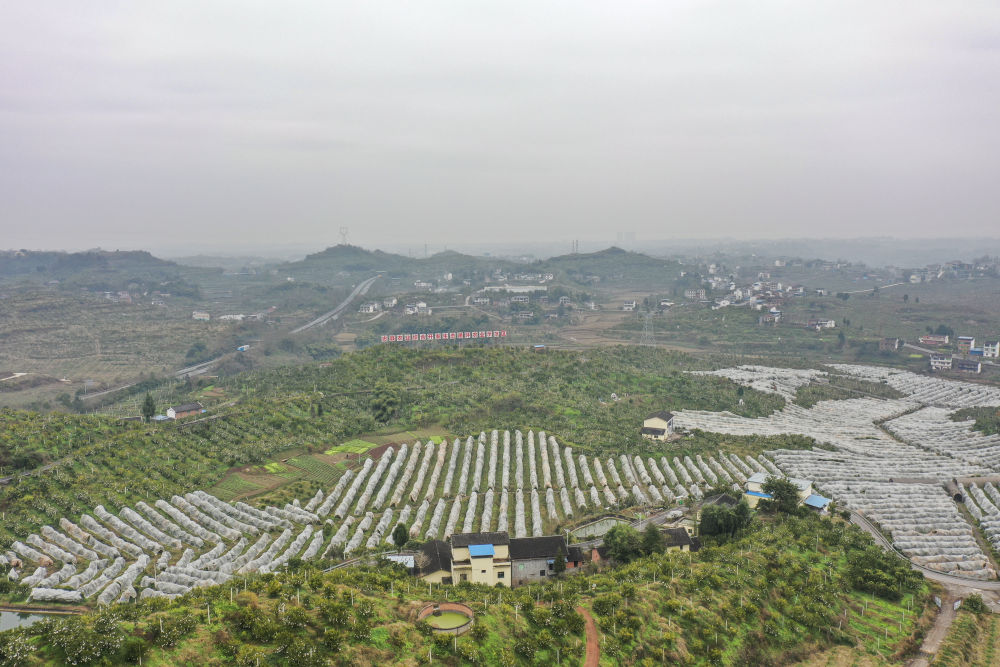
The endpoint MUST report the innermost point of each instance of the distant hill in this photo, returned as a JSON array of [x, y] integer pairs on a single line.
[[63, 264], [611, 264]]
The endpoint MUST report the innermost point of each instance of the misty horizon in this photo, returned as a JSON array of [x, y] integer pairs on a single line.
[[148, 125]]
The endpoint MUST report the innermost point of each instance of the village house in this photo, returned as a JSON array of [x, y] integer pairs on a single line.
[[629, 305], [991, 349], [186, 410], [370, 307], [201, 316], [697, 293], [890, 344], [520, 298], [755, 491], [481, 558], [533, 558], [821, 324], [390, 302], [564, 301], [676, 539], [494, 558], [967, 366], [658, 426], [941, 362], [481, 300], [525, 314], [433, 563], [934, 339], [965, 343]]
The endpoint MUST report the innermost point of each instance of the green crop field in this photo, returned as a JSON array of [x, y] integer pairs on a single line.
[[233, 486], [351, 447], [324, 473]]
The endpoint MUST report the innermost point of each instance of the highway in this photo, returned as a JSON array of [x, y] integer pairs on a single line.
[[361, 289]]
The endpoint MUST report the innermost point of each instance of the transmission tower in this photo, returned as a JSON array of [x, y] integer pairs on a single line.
[[647, 330], [343, 235]]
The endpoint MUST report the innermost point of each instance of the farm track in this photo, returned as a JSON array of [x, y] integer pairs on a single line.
[[593, 640]]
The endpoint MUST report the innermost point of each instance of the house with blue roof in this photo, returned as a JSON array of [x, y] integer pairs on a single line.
[[755, 491]]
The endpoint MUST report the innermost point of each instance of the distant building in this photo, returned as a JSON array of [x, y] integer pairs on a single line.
[[201, 316], [525, 314], [934, 339], [629, 305], [821, 324], [769, 318], [520, 298], [390, 302], [941, 362], [481, 300], [967, 366], [186, 410], [370, 307], [991, 349], [965, 343], [698, 294], [889, 344], [564, 301], [658, 426]]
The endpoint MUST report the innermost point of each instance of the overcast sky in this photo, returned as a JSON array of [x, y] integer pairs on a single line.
[[156, 124]]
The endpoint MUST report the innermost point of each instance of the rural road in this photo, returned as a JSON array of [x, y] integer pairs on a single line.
[[361, 289], [593, 641], [937, 633], [948, 579]]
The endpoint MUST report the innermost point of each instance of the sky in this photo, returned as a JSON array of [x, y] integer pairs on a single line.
[[241, 124]]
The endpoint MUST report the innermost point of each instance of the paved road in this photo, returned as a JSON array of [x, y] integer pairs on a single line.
[[870, 289], [361, 289], [197, 369]]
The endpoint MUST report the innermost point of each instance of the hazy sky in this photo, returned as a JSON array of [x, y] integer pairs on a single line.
[[155, 124]]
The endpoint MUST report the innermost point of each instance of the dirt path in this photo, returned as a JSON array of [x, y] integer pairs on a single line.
[[593, 641], [937, 633]]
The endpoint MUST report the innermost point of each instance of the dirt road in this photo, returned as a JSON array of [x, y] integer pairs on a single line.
[[593, 640], [937, 633]]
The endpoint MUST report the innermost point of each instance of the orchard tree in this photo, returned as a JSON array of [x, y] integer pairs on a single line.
[[148, 407], [784, 495], [623, 542], [400, 535]]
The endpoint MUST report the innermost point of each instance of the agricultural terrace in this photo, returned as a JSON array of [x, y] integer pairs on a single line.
[[525, 484], [380, 396], [886, 458]]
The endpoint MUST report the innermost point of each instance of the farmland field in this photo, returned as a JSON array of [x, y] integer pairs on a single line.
[[352, 447]]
